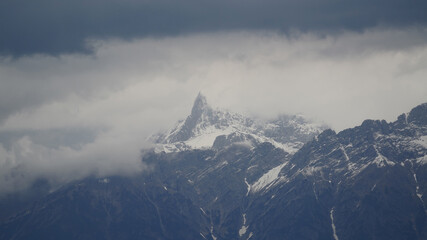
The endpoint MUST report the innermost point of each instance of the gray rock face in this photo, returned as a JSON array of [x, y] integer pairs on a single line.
[[418, 115], [367, 182], [223, 141]]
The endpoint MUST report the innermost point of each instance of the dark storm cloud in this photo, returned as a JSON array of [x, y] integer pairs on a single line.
[[64, 26]]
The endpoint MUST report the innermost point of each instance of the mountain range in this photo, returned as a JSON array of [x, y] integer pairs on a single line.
[[221, 175]]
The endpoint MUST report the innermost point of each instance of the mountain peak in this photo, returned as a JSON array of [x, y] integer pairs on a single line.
[[418, 115], [205, 124], [199, 104]]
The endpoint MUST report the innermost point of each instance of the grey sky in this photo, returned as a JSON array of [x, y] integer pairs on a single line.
[[56, 27]]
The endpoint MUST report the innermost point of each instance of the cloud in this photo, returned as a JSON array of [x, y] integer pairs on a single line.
[[27, 162], [67, 117], [60, 27]]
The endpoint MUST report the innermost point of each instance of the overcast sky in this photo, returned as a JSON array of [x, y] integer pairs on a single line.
[[84, 83]]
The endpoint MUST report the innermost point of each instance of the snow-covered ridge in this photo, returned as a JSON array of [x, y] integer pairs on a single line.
[[201, 129]]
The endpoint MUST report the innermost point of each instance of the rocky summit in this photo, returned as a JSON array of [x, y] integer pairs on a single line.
[[206, 127], [220, 175]]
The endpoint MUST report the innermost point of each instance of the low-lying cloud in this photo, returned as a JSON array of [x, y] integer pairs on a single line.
[[67, 117]]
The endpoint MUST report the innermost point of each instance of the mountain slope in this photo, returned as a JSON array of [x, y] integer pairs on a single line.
[[367, 182], [362, 183]]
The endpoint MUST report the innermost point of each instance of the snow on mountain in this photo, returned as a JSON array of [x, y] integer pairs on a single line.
[[374, 144], [366, 182], [268, 179], [206, 127]]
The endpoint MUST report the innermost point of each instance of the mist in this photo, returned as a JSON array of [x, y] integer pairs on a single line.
[[67, 117]]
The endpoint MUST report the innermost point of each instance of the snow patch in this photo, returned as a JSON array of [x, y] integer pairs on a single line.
[[417, 189], [265, 180], [422, 160], [213, 236], [249, 187], [203, 211], [334, 231], [250, 235], [208, 137], [345, 153], [253, 166], [381, 160], [422, 141], [314, 191], [243, 229], [310, 170], [221, 164]]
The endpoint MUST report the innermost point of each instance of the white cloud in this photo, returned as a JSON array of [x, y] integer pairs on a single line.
[[130, 90]]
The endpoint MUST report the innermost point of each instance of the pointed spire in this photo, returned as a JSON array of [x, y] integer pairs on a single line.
[[199, 104]]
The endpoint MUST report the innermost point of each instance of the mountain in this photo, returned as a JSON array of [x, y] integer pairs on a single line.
[[366, 182], [206, 127]]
